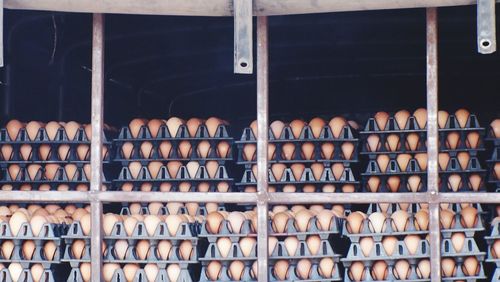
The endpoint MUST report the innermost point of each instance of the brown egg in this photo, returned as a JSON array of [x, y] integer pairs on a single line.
[[278, 170], [468, 217], [15, 271], [194, 123], [49, 249], [291, 245], [223, 149], [36, 223], [402, 269], [412, 243], [414, 183], [302, 220], [338, 170], [213, 222], [77, 249], [85, 224], [373, 183], [164, 248], [152, 270], [381, 118], [249, 151], [120, 248], [424, 269], [272, 242], [347, 150], [135, 126], [279, 222], [186, 250], [447, 218], [400, 220], [393, 182], [32, 129], [324, 219], [288, 150], [44, 152], [421, 117], [7, 248], [389, 243], [108, 270], [383, 162], [236, 220], [130, 270], [326, 267], [422, 220], [442, 118], [471, 266], [337, 125], [184, 149], [357, 271], [421, 160], [25, 152], [462, 116], [304, 269], [373, 142], [443, 160], [366, 244], [317, 124], [280, 269], [173, 125], [496, 169], [71, 129], [52, 128], [236, 270], [454, 182], [457, 241], [495, 126], [313, 244], [495, 249], [154, 127], [277, 127], [127, 148], [212, 167], [327, 151], [213, 270], [379, 270], [453, 140], [392, 143], [473, 139], [28, 248], [33, 170], [247, 244], [463, 159], [6, 152], [165, 148], [412, 141], [212, 125], [13, 127], [297, 126], [109, 221], [355, 222], [401, 118], [17, 219], [376, 222], [37, 271], [71, 171], [253, 127], [142, 249], [14, 171], [173, 222], [328, 188]]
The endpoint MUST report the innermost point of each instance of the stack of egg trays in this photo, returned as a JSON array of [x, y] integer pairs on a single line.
[[41, 139], [186, 232], [413, 168], [378, 253], [49, 232], [495, 235], [202, 210], [495, 158], [326, 136], [279, 252], [163, 176]]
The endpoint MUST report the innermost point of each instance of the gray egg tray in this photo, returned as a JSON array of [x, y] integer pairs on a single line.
[[457, 227], [25, 276], [306, 135], [378, 253], [393, 168], [140, 276], [307, 177], [182, 175], [164, 211], [225, 231], [365, 230], [43, 138], [48, 232], [496, 275], [413, 277], [224, 274], [279, 252], [461, 276], [403, 186], [469, 248], [393, 207], [314, 276], [181, 134], [60, 177], [412, 126], [37, 257]]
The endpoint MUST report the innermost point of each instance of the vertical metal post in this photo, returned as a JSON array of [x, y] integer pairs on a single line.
[[486, 27], [432, 142], [96, 143], [243, 33], [262, 141]]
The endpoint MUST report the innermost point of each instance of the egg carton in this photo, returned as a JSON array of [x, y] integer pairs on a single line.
[[279, 252], [297, 157], [48, 232], [378, 253], [60, 176], [225, 230], [307, 177], [140, 276], [38, 255], [25, 276], [306, 135], [313, 276], [181, 134], [412, 126], [462, 277], [53, 157], [469, 248], [413, 277], [42, 137], [458, 227], [403, 185], [389, 231], [182, 175]]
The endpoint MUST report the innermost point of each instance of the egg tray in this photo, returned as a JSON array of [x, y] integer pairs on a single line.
[[182, 175], [174, 155], [47, 276], [457, 227], [389, 231], [462, 277], [247, 274], [300, 188], [393, 207], [470, 248], [317, 157], [248, 231], [48, 232], [60, 138], [279, 252], [496, 275], [60, 177], [38, 256], [378, 253], [495, 231], [403, 185], [164, 210], [327, 177], [132, 257], [182, 133], [412, 126], [306, 135], [465, 185], [140, 276], [413, 277], [186, 231], [34, 158]]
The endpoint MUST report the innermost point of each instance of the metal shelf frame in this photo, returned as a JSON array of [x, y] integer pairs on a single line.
[[262, 198]]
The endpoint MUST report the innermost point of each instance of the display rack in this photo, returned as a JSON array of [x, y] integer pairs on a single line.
[[262, 198]]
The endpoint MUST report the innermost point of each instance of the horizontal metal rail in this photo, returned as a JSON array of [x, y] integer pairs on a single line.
[[223, 7]]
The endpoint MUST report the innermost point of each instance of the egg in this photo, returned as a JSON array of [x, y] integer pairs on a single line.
[[280, 269], [373, 143], [326, 267], [77, 249], [381, 118], [37, 272], [135, 126], [313, 244], [400, 220], [154, 127], [15, 271], [109, 221], [393, 182], [414, 183], [389, 244], [357, 271], [401, 118], [52, 129], [324, 219], [36, 223], [327, 151], [272, 242], [453, 140], [366, 244], [288, 150], [152, 270], [355, 222], [402, 269], [468, 217], [337, 125], [173, 272], [13, 127], [347, 150], [174, 222], [7, 248], [424, 269], [249, 151], [17, 219], [278, 170], [297, 126], [422, 220], [247, 244], [448, 267], [14, 171], [421, 117], [142, 249], [130, 270], [379, 270], [412, 243], [32, 129], [6, 152], [213, 270], [373, 183], [236, 220], [25, 152], [120, 249], [49, 249], [383, 162], [376, 222], [447, 218], [392, 142], [186, 250], [443, 159], [85, 271], [302, 220], [108, 270], [462, 116], [412, 141], [303, 269], [236, 270]]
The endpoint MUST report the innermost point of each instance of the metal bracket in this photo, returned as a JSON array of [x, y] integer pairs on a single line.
[[1, 34], [486, 30], [243, 43]]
